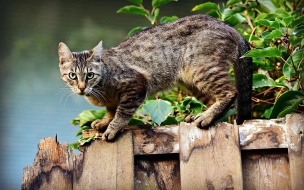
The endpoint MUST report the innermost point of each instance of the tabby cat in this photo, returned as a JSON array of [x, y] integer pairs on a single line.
[[195, 51]]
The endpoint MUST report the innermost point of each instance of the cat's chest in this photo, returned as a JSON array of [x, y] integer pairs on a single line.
[[95, 101]]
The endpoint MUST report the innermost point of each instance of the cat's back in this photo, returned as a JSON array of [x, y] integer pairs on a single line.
[[178, 29]]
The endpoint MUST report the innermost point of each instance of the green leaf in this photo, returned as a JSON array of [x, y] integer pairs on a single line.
[[157, 3], [263, 22], [260, 80], [73, 145], [138, 2], [253, 38], [134, 121], [84, 140], [267, 113], [299, 20], [232, 2], [235, 19], [90, 115], [136, 29], [275, 24], [227, 114], [156, 13], [159, 110], [196, 106], [299, 32], [294, 40], [268, 23], [264, 52], [286, 103], [288, 68], [132, 9], [229, 12], [207, 5], [273, 34], [75, 121], [267, 6], [171, 120], [79, 132], [167, 19], [286, 20], [187, 100], [282, 13]]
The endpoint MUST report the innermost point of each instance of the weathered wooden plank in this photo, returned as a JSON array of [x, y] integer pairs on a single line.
[[159, 140], [266, 169], [52, 167], [254, 134], [295, 126], [157, 172], [263, 134], [210, 159], [106, 165]]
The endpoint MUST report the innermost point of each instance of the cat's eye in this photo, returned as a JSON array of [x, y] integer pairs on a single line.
[[90, 75], [72, 76]]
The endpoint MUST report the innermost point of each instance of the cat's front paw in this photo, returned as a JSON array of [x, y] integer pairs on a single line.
[[100, 124], [201, 120], [109, 134], [190, 118]]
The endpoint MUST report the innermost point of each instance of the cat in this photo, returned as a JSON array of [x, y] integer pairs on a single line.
[[195, 51]]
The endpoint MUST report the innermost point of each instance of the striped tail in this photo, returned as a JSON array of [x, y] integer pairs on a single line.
[[243, 78]]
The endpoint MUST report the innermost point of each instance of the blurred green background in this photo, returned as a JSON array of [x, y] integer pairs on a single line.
[[29, 76]]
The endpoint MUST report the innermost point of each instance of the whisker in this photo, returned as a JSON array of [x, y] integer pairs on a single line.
[[99, 93], [63, 94], [95, 95], [71, 93], [62, 91]]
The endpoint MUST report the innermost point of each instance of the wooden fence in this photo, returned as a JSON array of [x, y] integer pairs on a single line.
[[260, 154]]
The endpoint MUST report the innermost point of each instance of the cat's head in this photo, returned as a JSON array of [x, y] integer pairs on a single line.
[[80, 70]]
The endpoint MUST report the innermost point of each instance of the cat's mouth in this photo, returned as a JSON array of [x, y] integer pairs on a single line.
[[82, 93]]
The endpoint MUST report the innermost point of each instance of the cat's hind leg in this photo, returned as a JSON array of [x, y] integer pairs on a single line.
[[217, 92]]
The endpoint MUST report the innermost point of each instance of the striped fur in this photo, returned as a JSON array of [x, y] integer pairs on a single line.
[[195, 51]]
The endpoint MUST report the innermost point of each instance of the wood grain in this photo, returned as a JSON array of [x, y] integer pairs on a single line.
[[295, 126], [266, 169], [210, 159], [158, 140], [106, 165], [52, 167], [263, 134], [157, 172]]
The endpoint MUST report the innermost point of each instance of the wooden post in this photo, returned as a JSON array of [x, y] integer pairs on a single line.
[[52, 167], [295, 127], [106, 165], [210, 159]]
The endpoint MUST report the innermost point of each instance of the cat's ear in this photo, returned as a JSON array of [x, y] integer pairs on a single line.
[[64, 53], [96, 51]]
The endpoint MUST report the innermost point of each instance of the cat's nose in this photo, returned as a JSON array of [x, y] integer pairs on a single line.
[[81, 86]]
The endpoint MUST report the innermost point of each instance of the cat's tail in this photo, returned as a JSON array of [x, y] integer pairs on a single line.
[[243, 79]]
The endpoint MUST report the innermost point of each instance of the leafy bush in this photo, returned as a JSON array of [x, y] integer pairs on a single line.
[[275, 31]]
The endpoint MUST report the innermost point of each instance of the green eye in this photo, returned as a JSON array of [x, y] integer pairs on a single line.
[[72, 76], [90, 75]]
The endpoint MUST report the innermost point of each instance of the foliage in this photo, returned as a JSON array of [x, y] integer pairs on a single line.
[[152, 15], [275, 31]]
